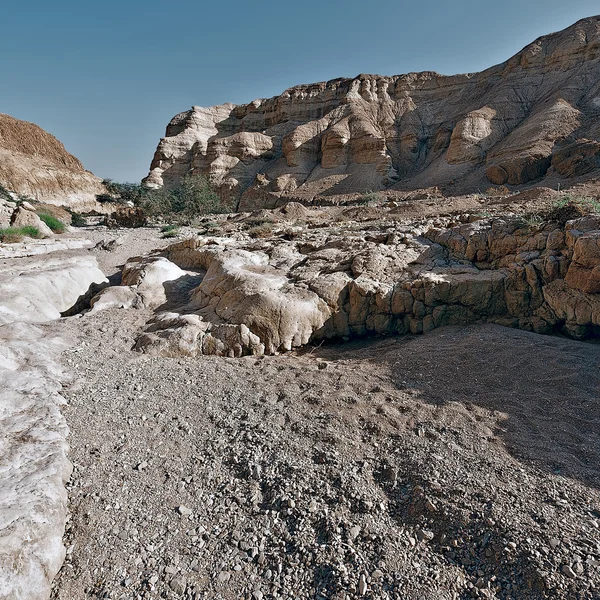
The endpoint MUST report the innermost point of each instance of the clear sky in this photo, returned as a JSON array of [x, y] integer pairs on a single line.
[[106, 77]]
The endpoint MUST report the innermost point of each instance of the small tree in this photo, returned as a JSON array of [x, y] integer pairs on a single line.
[[193, 197], [121, 192]]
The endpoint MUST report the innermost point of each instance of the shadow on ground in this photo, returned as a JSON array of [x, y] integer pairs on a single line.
[[546, 389]]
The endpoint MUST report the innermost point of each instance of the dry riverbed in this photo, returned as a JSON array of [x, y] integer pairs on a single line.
[[459, 464]]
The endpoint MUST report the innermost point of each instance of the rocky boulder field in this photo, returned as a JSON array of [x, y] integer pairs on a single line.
[[389, 399]]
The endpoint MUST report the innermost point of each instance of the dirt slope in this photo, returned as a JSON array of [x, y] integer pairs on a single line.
[[34, 163]]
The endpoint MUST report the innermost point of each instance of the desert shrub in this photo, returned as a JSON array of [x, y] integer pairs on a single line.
[[12, 235], [495, 192], [5, 194], [55, 224], [77, 220], [193, 197], [571, 207], [370, 197], [170, 231], [530, 221], [261, 231], [121, 192], [257, 221]]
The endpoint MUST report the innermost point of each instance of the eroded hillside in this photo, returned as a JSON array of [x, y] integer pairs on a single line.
[[35, 164], [533, 117]]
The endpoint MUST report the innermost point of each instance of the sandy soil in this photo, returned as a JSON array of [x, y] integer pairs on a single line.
[[460, 464]]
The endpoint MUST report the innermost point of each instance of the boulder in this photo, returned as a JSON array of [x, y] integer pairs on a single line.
[[149, 277], [578, 158], [23, 217], [7, 208], [127, 216]]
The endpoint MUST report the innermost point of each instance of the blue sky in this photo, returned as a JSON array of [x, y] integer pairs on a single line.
[[106, 77]]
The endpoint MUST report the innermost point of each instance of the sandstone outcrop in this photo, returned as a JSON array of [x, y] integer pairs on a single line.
[[33, 452], [143, 284], [534, 116], [35, 164]]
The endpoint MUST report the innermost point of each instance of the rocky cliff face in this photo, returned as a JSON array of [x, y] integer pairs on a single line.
[[533, 117], [34, 163]]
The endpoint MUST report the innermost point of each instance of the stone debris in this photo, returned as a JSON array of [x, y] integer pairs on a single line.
[[234, 296]]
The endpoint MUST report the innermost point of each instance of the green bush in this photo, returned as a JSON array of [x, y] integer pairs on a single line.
[[370, 197], [170, 231], [121, 192], [5, 194], [55, 224], [77, 220], [572, 207], [193, 197], [261, 231], [591, 204], [530, 221], [12, 235]]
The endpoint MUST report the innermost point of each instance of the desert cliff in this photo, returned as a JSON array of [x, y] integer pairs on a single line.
[[531, 118]]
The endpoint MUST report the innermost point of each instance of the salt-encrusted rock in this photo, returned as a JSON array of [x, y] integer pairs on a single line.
[[33, 451]]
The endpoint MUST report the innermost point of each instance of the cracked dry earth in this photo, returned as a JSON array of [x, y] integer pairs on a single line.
[[459, 464]]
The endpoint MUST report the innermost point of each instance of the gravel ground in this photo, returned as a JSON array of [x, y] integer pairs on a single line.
[[461, 464]]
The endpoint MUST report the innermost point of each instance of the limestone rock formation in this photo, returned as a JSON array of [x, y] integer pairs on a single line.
[[330, 277], [534, 116], [33, 451], [34, 163], [23, 218]]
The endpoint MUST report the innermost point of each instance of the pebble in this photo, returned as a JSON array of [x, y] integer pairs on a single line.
[[178, 584], [362, 584], [353, 533], [566, 569], [224, 576]]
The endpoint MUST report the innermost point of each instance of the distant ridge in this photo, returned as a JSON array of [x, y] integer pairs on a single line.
[[34, 163], [533, 118]]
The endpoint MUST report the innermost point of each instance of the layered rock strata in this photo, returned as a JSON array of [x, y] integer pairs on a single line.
[[534, 116], [35, 164]]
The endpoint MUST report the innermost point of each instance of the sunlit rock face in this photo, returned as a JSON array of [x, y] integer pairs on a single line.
[[35, 164], [530, 118], [33, 449]]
